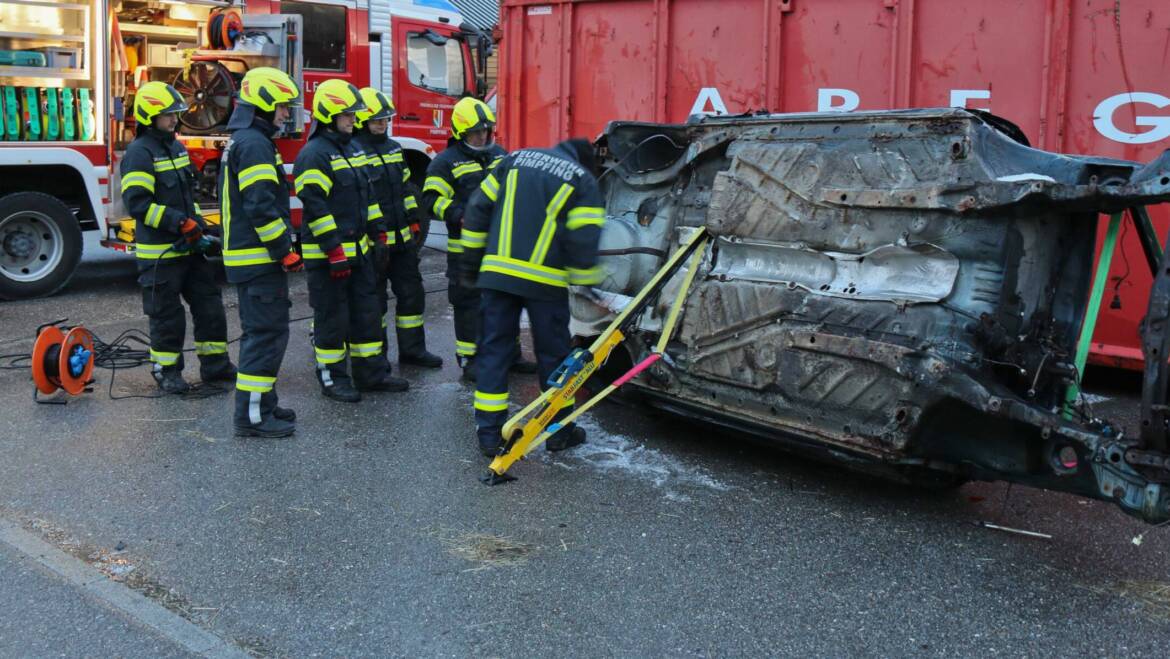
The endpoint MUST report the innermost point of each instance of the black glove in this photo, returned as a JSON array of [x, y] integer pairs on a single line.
[[468, 273], [382, 252], [454, 226]]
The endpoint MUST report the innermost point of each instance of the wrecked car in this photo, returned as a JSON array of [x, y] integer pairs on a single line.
[[898, 291]]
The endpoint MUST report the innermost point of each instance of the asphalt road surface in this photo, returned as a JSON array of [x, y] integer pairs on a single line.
[[369, 533]]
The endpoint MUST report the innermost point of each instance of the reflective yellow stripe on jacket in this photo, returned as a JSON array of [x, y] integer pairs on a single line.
[[156, 251], [585, 216], [257, 173], [248, 256], [473, 239], [437, 184], [465, 169], [313, 251], [168, 165], [551, 213], [314, 177], [154, 215], [139, 179], [271, 231], [525, 270], [490, 187]]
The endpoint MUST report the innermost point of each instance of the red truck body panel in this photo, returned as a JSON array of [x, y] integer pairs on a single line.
[[1078, 76]]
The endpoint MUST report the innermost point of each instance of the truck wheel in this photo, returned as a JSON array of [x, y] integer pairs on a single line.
[[40, 245]]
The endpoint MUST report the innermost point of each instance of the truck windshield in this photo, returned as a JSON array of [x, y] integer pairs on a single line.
[[324, 40], [434, 67]]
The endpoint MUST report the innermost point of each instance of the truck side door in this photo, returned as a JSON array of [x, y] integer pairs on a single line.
[[432, 71]]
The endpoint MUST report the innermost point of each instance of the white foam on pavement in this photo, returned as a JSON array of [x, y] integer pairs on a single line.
[[614, 453]]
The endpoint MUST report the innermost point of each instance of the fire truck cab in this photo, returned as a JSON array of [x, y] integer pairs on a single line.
[[69, 70]]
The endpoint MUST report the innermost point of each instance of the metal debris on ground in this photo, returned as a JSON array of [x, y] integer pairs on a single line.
[[1008, 529]]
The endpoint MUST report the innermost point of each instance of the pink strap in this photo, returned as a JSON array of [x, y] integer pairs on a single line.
[[633, 373]]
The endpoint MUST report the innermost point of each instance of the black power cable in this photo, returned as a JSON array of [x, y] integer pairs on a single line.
[[131, 349]]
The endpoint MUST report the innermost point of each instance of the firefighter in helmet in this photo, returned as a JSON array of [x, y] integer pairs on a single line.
[[169, 239], [452, 177], [530, 232], [257, 246], [397, 247], [341, 222]]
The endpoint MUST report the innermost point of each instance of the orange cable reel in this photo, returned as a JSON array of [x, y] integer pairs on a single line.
[[62, 360]]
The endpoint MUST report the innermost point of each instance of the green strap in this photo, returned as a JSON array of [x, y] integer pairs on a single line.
[[1099, 278]]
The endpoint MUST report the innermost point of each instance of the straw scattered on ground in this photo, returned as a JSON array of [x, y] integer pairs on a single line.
[[484, 548]]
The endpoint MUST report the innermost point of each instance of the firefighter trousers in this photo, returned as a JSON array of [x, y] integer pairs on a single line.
[[345, 318], [500, 323], [404, 280], [191, 278], [264, 308], [465, 303]]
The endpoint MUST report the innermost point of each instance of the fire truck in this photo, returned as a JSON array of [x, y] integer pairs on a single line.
[[69, 70]]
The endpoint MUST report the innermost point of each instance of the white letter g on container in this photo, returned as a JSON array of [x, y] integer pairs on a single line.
[[1103, 118]]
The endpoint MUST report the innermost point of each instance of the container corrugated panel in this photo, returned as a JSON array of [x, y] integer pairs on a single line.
[[1078, 76]]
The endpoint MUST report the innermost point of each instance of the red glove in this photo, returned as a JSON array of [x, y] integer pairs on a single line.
[[191, 231], [292, 262], [382, 238], [415, 231], [338, 263]]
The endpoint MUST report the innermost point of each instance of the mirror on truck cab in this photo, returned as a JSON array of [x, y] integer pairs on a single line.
[[481, 43], [434, 37]]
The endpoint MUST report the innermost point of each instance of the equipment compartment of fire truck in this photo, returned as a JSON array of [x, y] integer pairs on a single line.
[[69, 71]]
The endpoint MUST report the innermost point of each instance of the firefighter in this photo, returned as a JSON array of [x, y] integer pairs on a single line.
[[529, 233], [341, 222], [397, 248], [257, 247], [452, 177], [157, 189]]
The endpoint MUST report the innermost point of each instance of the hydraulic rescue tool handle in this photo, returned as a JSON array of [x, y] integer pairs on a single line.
[[531, 426], [630, 375], [572, 365]]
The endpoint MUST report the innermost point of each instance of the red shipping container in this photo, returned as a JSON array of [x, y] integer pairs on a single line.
[[1078, 76]]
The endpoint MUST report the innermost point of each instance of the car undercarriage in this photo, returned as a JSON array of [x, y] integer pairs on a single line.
[[902, 292]]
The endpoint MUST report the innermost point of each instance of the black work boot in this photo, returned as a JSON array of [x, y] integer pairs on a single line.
[[284, 414], [388, 383], [522, 366], [336, 385], [217, 370], [341, 391], [424, 359], [468, 369], [491, 441], [270, 428], [170, 380], [567, 438], [490, 448]]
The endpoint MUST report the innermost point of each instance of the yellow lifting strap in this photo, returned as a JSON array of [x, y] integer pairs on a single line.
[[530, 428]]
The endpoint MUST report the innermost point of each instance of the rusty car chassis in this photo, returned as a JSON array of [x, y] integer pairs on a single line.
[[899, 291]]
